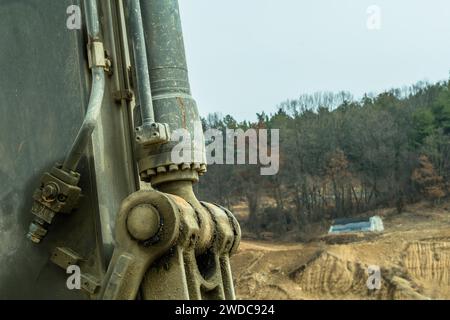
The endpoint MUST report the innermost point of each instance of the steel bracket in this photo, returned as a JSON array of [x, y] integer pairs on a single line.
[[96, 55], [65, 257]]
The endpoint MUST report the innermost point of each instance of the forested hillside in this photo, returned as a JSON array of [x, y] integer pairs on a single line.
[[340, 157]]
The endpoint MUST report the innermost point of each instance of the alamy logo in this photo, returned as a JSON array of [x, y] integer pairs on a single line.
[[374, 17], [228, 147], [74, 280], [374, 278], [74, 19]]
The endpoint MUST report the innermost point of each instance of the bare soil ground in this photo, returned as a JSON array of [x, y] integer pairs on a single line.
[[413, 254]]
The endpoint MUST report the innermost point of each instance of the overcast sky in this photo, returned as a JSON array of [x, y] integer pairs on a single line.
[[245, 56]]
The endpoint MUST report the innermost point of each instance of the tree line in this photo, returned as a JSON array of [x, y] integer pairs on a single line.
[[340, 157]]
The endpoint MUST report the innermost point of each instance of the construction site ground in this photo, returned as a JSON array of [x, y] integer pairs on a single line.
[[413, 255]]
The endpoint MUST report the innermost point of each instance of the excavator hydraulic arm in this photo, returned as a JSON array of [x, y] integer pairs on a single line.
[[167, 244]]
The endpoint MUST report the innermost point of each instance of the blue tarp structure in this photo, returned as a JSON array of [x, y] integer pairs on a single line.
[[373, 224]]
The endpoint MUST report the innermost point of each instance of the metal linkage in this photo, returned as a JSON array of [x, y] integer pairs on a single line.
[[194, 271], [147, 227], [162, 250]]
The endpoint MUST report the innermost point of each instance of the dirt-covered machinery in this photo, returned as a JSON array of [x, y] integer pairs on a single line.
[[92, 94]]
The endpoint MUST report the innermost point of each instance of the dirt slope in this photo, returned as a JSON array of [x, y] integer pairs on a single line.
[[413, 255]]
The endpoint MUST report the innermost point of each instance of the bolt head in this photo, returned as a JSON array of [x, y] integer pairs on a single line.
[[50, 192], [143, 222]]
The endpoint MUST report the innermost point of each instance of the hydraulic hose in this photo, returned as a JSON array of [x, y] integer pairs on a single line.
[[96, 97], [140, 60]]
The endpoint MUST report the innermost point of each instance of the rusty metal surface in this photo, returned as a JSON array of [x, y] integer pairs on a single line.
[[171, 93], [44, 86]]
